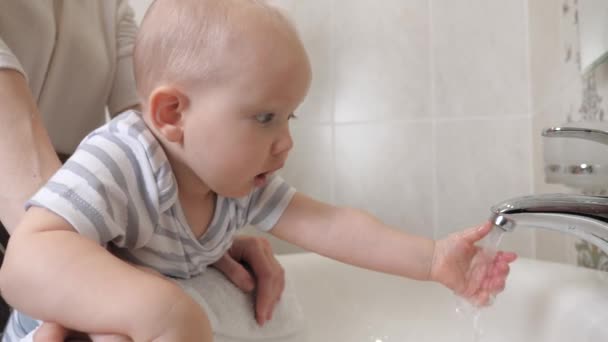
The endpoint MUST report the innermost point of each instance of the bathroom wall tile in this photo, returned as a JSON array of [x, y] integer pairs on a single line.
[[601, 74], [546, 50], [308, 169], [480, 58], [554, 49], [386, 169], [381, 60], [313, 20], [480, 163], [553, 246], [310, 164]]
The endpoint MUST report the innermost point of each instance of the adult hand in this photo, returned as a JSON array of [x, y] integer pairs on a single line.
[[255, 253]]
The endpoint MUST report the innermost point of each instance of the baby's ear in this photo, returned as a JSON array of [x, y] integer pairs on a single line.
[[166, 106]]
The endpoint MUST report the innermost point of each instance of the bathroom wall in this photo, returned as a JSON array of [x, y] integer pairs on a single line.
[[560, 94], [419, 111]]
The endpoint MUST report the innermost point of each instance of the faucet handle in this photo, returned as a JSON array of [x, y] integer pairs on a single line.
[[592, 134]]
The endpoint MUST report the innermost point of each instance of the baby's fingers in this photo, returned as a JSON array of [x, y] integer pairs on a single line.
[[496, 285], [507, 257], [500, 269], [481, 299]]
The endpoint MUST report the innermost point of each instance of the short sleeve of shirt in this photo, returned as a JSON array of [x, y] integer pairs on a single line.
[[8, 59], [105, 191], [267, 204], [123, 93]]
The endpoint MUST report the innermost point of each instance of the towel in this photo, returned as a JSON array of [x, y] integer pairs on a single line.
[[231, 311]]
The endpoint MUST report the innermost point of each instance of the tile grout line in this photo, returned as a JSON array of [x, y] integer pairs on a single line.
[[332, 63], [431, 99], [531, 162]]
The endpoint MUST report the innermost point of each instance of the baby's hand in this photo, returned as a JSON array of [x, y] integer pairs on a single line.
[[470, 271]]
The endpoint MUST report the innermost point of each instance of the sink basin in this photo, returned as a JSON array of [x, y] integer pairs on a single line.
[[543, 302]]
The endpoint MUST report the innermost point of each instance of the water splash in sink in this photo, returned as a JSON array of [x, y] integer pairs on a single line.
[[464, 308]]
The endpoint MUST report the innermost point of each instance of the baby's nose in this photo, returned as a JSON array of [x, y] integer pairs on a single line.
[[284, 144]]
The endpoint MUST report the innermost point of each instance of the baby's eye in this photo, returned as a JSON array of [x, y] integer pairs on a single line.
[[264, 118]]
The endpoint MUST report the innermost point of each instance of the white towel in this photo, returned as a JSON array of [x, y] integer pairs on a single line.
[[231, 311]]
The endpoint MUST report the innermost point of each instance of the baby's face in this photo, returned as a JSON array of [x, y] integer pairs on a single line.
[[237, 133]]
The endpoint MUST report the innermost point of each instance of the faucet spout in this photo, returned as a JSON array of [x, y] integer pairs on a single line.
[[583, 216]]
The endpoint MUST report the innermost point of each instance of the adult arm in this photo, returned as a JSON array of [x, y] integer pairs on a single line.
[[26, 153]]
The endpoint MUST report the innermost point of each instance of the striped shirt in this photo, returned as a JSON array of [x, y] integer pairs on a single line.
[[118, 189]]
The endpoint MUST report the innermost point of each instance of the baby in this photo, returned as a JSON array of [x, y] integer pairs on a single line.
[[166, 189]]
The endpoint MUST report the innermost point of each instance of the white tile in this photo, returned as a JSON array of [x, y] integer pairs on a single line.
[[480, 53], [553, 62], [313, 20], [381, 60], [522, 242], [553, 246], [480, 163], [386, 169], [601, 74], [309, 167]]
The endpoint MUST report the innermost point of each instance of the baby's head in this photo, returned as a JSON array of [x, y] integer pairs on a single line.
[[218, 81]]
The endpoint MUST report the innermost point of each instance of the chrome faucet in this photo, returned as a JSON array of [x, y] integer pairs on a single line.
[[583, 216]]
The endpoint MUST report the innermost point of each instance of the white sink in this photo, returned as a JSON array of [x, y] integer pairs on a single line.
[[543, 302]]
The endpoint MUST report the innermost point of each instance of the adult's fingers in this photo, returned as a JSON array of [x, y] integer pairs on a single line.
[[235, 272]]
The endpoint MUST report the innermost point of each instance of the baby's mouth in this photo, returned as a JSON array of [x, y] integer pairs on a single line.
[[260, 180]]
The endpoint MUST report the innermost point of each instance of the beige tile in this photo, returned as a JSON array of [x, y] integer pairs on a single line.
[[386, 169], [381, 60], [601, 74], [480, 163], [552, 67], [480, 58], [553, 246], [310, 164], [313, 20], [522, 242]]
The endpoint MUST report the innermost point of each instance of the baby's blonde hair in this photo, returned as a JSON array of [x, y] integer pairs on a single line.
[[180, 41]]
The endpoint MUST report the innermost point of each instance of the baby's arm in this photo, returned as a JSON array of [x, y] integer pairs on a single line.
[[354, 237], [49, 266], [357, 238]]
